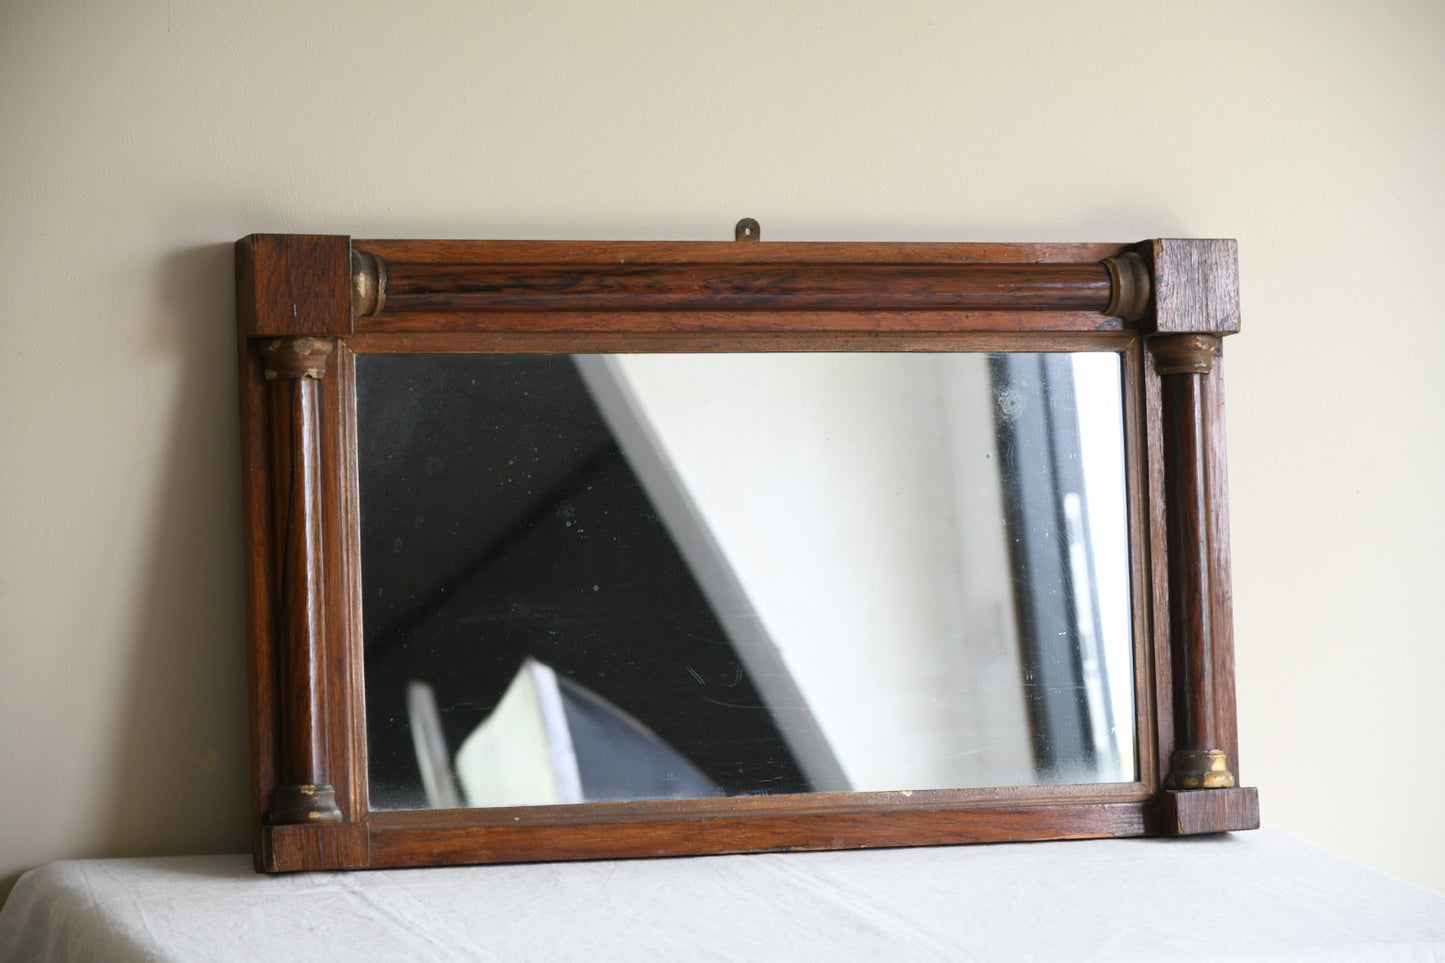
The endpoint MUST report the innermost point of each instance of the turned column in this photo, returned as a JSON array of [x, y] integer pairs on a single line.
[[293, 368], [1183, 362]]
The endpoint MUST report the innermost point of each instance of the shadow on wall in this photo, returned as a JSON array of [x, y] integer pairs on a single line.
[[181, 775]]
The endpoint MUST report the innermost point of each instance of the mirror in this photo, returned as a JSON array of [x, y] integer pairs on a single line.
[[597, 578], [594, 549]]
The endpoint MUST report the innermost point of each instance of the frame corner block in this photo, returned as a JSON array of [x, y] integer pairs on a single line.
[[1196, 285], [1195, 812], [294, 284]]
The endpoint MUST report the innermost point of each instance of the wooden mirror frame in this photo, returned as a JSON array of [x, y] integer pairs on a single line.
[[307, 304]]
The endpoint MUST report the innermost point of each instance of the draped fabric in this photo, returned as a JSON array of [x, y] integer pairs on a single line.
[[1266, 895]]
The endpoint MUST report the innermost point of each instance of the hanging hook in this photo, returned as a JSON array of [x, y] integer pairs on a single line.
[[747, 230]]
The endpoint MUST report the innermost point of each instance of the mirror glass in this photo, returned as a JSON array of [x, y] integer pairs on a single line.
[[610, 577]]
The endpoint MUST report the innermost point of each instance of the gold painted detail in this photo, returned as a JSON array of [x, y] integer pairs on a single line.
[[1199, 769], [1129, 286], [1184, 353], [305, 803], [295, 358], [368, 284]]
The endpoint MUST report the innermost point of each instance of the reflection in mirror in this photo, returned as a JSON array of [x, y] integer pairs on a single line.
[[593, 578]]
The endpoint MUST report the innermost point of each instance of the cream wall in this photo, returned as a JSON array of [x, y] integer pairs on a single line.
[[138, 139]]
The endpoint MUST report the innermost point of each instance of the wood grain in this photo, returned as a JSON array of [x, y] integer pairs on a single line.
[[725, 340], [522, 285], [642, 287], [293, 367], [1194, 812], [1196, 286], [1191, 624], [503, 252], [302, 848], [1149, 703], [759, 323], [294, 285], [1225, 710], [404, 846], [262, 675]]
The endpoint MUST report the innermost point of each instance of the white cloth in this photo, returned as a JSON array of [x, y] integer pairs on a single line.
[[1249, 896]]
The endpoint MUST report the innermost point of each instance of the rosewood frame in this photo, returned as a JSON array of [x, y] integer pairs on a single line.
[[307, 304]]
